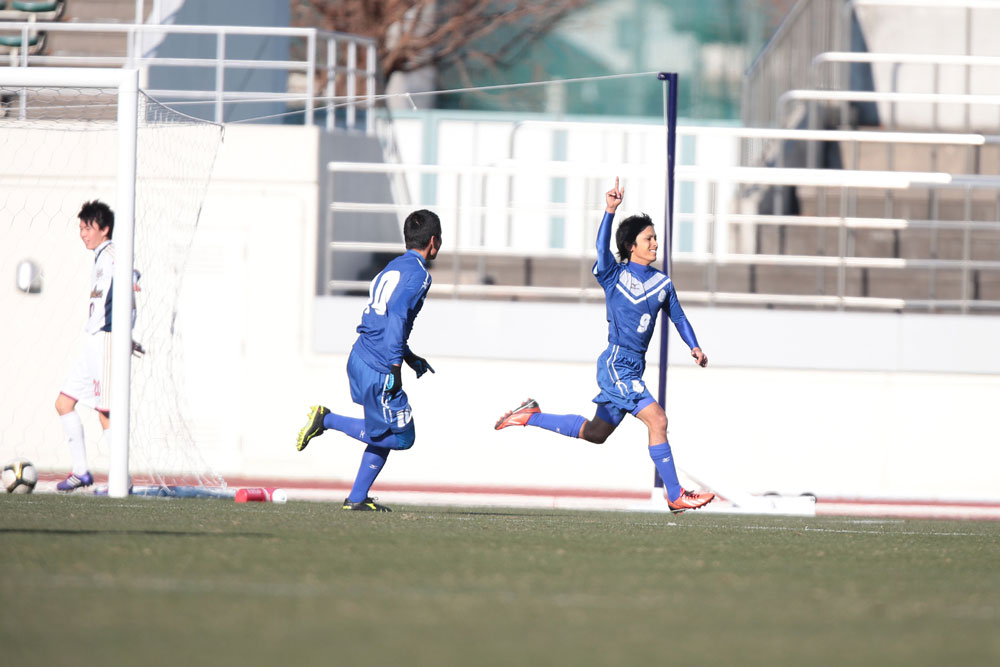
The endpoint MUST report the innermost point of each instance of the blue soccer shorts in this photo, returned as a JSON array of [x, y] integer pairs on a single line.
[[384, 412], [619, 376]]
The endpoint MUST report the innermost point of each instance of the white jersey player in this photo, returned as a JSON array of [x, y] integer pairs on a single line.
[[89, 380]]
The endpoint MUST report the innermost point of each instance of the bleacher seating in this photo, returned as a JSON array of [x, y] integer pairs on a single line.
[[944, 224], [31, 11]]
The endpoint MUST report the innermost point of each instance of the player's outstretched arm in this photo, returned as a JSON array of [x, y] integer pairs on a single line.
[[684, 327], [613, 198], [605, 259]]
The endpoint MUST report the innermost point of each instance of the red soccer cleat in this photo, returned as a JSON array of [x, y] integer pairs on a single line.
[[690, 500], [519, 415]]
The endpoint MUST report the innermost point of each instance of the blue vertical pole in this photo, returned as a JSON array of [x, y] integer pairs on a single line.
[[669, 80]]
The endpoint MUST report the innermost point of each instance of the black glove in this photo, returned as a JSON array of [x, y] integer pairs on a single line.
[[418, 364], [395, 383]]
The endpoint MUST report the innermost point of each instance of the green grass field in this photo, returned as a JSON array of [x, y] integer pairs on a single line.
[[196, 582]]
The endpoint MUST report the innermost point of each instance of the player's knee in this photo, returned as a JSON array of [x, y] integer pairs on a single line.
[[595, 433], [64, 404], [657, 423], [406, 437], [595, 436]]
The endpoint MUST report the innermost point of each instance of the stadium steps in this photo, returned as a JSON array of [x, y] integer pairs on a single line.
[[905, 283], [102, 11], [945, 205], [914, 284], [93, 44]]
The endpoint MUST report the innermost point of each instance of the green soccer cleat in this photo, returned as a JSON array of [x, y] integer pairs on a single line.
[[366, 505], [313, 428]]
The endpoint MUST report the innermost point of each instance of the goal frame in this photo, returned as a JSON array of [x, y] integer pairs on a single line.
[[126, 82]]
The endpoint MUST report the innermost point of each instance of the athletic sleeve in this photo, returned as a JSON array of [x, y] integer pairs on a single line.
[[605, 265], [401, 310], [679, 319]]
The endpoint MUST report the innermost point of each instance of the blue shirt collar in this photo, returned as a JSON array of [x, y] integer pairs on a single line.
[[641, 269], [418, 255]]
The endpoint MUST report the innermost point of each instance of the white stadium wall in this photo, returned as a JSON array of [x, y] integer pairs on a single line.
[[841, 405]]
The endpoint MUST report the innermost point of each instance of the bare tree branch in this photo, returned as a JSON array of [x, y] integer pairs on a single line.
[[411, 34]]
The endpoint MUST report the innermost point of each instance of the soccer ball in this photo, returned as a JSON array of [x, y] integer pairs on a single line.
[[19, 476]]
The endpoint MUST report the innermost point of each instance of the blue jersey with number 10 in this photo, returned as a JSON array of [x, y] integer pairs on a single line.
[[634, 294], [395, 297]]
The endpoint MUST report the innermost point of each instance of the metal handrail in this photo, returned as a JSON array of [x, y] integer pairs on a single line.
[[308, 66], [800, 95], [712, 256], [594, 294], [814, 27], [936, 61], [866, 179], [867, 57], [778, 134], [806, 261]]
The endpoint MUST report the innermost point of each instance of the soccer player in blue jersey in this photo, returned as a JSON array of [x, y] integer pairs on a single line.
[[635, 292], [396, 296]]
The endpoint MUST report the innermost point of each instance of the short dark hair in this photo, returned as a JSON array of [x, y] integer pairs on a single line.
[[98, 213], [628, 230], [420, 227]]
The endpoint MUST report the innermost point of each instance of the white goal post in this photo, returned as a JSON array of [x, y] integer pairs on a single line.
[[69, 136], [126, 82]]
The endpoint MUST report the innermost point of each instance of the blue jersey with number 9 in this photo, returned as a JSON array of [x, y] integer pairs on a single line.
[[634, 294], [395, 297]]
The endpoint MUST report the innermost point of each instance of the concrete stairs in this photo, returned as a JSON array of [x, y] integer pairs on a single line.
[[93, 44], [910, 210]]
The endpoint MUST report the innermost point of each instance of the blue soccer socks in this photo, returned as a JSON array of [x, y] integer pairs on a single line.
[[355, 428], [663, 459], [568, 425], [372, 462], [349, 425]]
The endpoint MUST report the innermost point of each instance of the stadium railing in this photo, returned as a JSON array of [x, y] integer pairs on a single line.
[[808, 95], [935, 60], [719, 211], [334, 55], [815, 27]]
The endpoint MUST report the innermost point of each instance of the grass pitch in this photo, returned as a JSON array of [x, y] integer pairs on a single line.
[[153, 581]]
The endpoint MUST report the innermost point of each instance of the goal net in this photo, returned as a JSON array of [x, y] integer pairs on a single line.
[[59, 148]]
